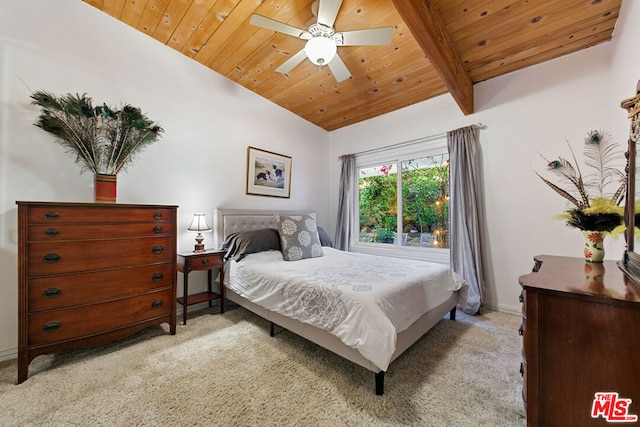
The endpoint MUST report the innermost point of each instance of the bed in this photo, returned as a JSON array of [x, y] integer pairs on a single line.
[[368, 322]]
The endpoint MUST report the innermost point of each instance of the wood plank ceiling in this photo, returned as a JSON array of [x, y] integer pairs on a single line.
[[438, 46]]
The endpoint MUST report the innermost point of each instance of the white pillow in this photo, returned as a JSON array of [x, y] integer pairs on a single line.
[[299, 236]]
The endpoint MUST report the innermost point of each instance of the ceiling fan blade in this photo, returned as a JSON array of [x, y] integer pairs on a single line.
[[290, 63], [371, 36], [281, 27], [339, 70], [327, 12]]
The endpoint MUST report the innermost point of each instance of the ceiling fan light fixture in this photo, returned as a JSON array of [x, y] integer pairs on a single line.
[[320, 50]]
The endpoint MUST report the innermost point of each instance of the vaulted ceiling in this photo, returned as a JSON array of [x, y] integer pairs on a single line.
[[437, 46]]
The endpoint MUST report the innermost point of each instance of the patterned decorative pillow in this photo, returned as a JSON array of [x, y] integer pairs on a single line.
[[299, 236]]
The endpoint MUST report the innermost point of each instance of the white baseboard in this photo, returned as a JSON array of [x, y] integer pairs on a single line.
[[516, 311], [9, 354]]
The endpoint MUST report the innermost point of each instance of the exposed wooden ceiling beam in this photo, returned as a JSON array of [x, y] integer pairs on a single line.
[[426, 25]]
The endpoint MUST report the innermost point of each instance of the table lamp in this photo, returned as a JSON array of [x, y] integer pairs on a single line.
[[199, 224]]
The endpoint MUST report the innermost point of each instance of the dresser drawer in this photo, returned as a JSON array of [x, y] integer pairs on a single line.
[[96, 214], [70, 289], [53, 326], [55, 232], [76, 256]]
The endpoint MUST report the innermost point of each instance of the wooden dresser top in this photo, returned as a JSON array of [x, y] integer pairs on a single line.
[[605, 282]]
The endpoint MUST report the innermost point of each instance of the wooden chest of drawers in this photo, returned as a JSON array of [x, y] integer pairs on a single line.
[[581, 336], [92, 273]]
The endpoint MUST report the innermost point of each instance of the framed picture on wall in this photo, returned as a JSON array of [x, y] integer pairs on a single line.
[[268, 173]]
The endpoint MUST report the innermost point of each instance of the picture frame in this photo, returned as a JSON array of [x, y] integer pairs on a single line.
[[268, 173]]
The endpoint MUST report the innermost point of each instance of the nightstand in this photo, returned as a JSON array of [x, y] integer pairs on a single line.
[[206, 260]]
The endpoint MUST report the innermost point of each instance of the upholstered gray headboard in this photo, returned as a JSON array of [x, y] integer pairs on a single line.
[[229, 221]]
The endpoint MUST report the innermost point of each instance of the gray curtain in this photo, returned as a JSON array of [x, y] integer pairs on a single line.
[[465, 211], [346, 203]]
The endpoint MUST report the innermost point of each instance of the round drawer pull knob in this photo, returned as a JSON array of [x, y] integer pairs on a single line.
[[157, 229], [157, 215], [157, 277], [52, 215], [157, 249], [157, 303]]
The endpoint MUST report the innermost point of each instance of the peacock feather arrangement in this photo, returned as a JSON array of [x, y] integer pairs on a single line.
[[594, 208], [102, 139]]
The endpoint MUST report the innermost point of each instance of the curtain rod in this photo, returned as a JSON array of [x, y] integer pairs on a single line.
[[415, 141]]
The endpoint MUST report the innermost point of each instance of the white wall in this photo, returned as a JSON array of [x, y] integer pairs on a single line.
[[526, 112], [200, 163]]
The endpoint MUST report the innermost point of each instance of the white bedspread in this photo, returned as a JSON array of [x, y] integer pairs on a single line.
[[364, 300]]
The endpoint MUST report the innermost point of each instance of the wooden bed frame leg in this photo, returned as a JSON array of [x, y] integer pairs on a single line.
[[272, 329], [452, 314], [380, 383]]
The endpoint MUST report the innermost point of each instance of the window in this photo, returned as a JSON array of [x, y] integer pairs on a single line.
[[403, 197]]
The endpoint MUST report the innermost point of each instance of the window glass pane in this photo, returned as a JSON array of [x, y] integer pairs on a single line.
[[378, 189], [425, 202]]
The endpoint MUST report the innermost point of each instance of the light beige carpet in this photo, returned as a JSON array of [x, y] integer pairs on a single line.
[[225, 370]]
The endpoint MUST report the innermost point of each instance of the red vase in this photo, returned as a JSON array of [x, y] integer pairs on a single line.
[[105, 187]]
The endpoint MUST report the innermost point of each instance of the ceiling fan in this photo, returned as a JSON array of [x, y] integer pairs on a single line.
[[322, 39]]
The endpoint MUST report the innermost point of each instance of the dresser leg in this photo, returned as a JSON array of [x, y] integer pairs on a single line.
[[23, 366]]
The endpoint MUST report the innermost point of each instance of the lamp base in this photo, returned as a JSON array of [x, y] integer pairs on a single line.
[[199, 246]]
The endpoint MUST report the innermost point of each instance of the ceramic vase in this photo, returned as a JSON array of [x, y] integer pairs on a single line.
[[593, 246]]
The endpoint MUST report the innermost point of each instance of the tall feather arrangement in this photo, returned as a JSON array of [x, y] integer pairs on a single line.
[[103, 139], [594, 208], [601, 154]]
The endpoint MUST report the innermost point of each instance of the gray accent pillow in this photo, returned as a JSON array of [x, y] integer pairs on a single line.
[[240, 244], [299, 236]]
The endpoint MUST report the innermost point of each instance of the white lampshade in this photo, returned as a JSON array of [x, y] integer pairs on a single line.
[[199, 223], [320, 50]]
